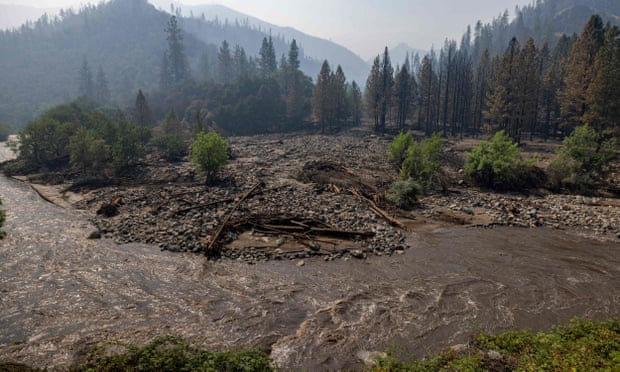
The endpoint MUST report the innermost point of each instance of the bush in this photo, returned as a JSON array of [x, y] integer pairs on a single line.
[[45, 142], [403, 193], [173, 354], [209, 153], [398, 148], [5, 130], [422, 161], [583, 160], [172, 146], [87, 151], [498, 164]]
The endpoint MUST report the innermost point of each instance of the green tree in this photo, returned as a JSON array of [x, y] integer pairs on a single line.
[[356, 105], [224, 64], [580, 73], [45, 142], [498, 164], [583, 161], [88, 152], [142, 111], [422, 161], [373, 93], [398, 148], [86, 85], [175, 66], [102, 91], [321, 99], [209, 153], [386, 83], [268, 65]]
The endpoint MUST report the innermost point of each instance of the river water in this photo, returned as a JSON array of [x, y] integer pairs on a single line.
[[61, 293]]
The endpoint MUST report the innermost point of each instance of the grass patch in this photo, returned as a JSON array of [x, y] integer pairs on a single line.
[[171, 354], [582, 345]]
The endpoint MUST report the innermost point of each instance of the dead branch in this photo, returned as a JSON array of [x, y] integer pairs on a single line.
[[380, 212], [229, 215]]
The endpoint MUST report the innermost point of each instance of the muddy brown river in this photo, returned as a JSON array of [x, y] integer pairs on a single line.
[[61, 293]]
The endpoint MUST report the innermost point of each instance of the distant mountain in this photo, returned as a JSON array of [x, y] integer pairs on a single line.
[[355, 68], [401, 51], [13, 16]]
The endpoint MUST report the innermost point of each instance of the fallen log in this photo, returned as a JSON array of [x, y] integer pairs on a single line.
[[224, 223], [380, 212]]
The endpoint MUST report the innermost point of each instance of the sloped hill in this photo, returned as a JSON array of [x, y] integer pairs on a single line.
[[313, 48]]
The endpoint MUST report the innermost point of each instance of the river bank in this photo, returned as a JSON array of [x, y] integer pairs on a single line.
[[62, 293]]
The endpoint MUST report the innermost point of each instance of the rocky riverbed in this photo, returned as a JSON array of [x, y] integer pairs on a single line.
[[336, 183]]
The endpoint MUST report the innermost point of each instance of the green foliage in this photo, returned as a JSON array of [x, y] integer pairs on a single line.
[[88, 151], [171, 146], [209, 152], [398, 148], [173, 354], [422, 160], [403, 193], [44, 142], [581, 346], [498, 164], [2, 219], [583, 160]]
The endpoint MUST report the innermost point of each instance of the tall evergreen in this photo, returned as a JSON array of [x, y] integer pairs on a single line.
[[86, 85], [580, 72], [355, 103], [428, 83], [373, 92], [338, 92], [142, 111], [224, 64], [386, 84], [267, 53], [321, 99], [177, 68], [403, 94], [102, 91]]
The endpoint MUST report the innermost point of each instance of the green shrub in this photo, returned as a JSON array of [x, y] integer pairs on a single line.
[[88, 151], [403, 193], [422, 161], [498, 164], [45, 141], [173, 354], [209, 153], [171, 146], [583, 160], [398, 148], [580, 346]]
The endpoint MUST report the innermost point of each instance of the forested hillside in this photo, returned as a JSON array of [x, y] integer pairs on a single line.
[[120, 44]]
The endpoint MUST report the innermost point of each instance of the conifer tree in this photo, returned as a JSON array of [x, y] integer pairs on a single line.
[[86, 83], [268, 64], [240, 63], [373, 92], [142, 111], [386, 84], [580, 73], [428, 83], [102, 91], [321, 96], [224, 64], [403, 94], [338, 92], [176, 65], [355, 103]]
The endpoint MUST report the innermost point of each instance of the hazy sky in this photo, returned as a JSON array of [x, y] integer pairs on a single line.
[[364, 26]]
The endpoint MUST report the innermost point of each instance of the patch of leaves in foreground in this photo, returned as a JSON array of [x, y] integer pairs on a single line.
[[582, 345], [172, 354]]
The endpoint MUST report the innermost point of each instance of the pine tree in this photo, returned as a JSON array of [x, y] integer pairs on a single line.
[[403, 94], [355, 103], [321, 96], [240, 63], [293, 56], [102, 92], [338, 92], [268, 65], [480, 90], [386, 84], [580, 73], [142, 111], [428, 83], [177, 67], [224, 64], [603, 95], [85, 79], [296, 101], [373, 92]]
